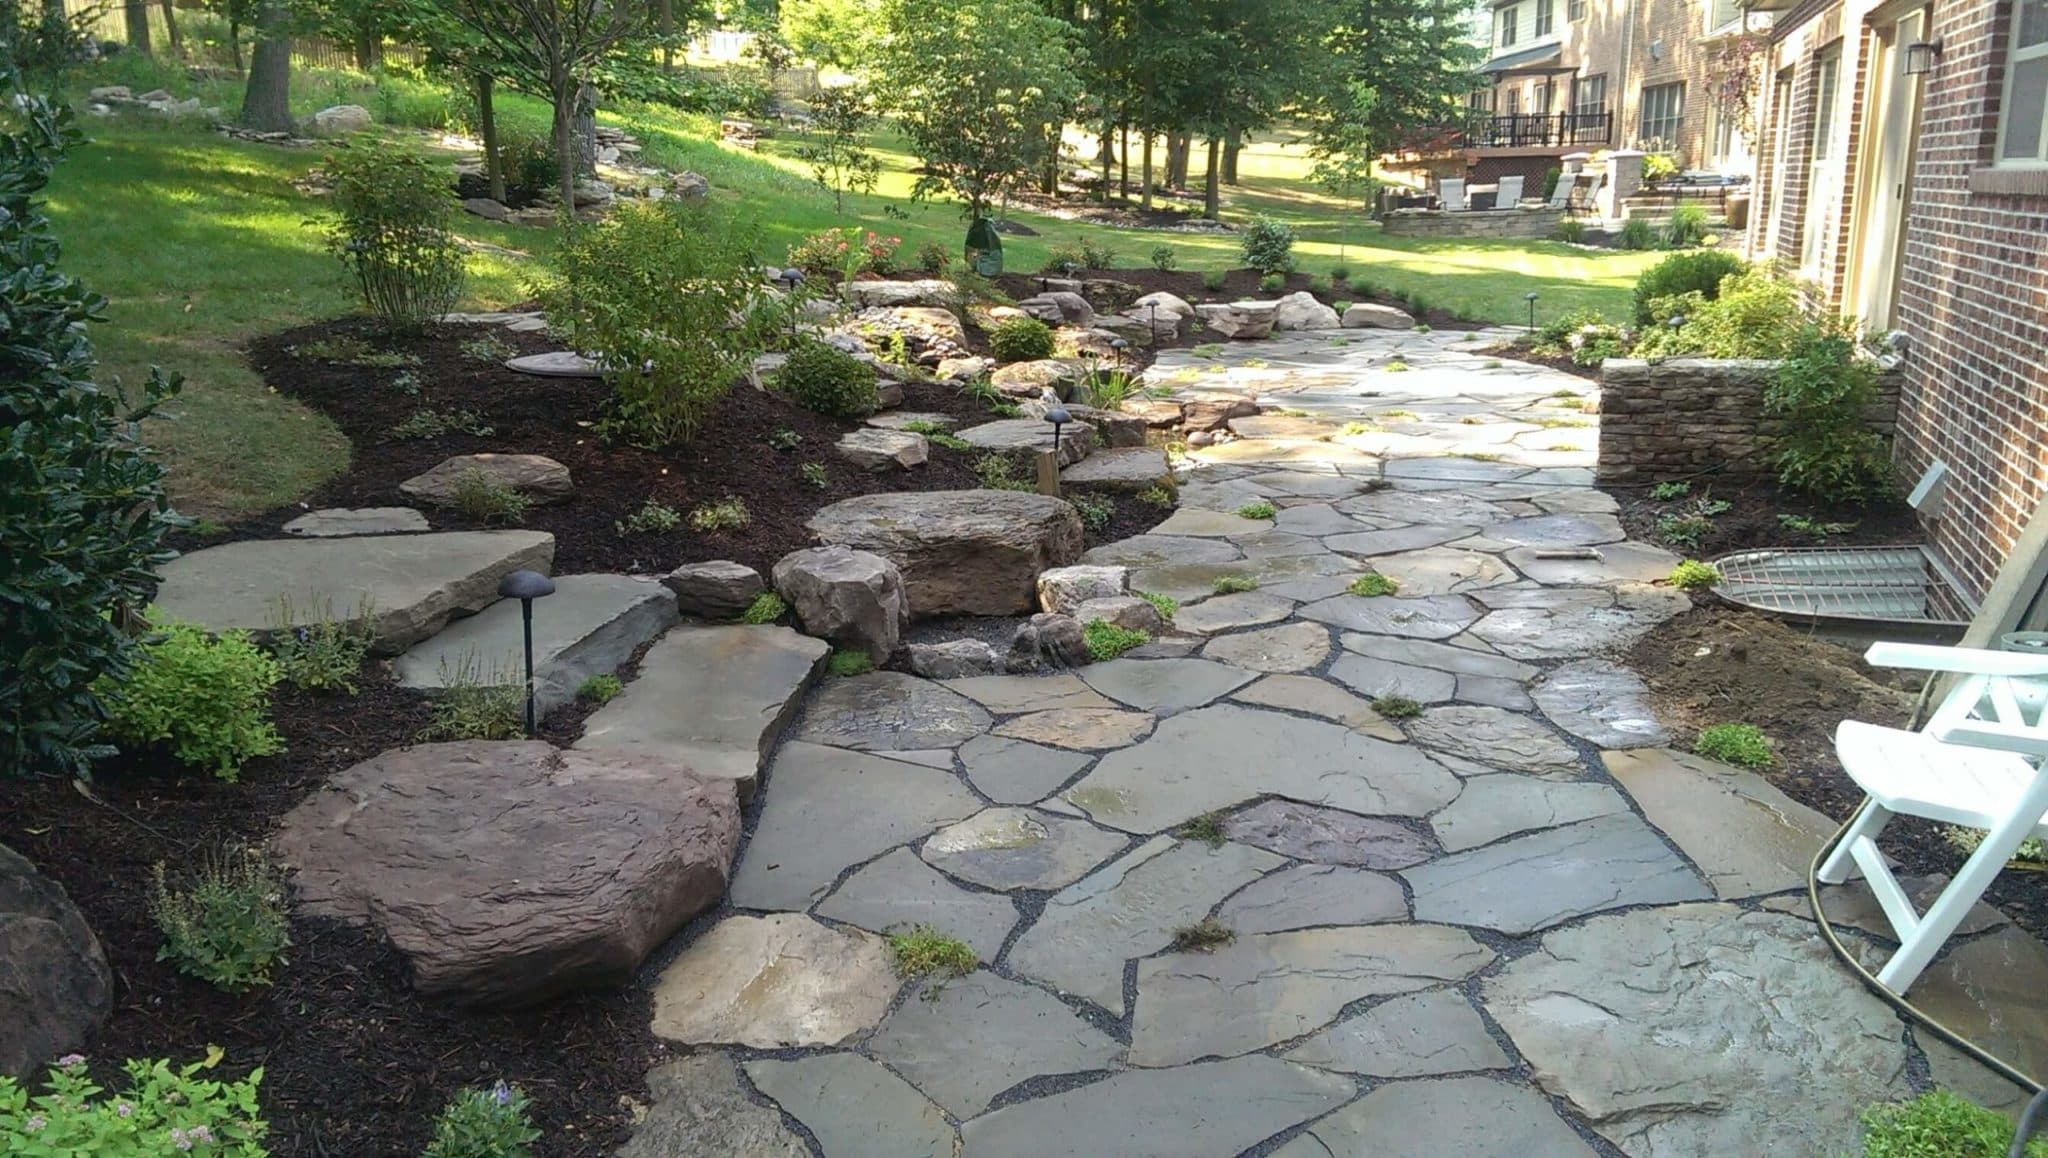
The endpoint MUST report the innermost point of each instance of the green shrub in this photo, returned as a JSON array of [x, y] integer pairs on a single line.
[[926, 952], [1165, 605], [727, 514], [652, 518], [1571, 231], [488, 349], [480, 1123], [529, 163], [1659, 167], [1693, 575], [1107, 641], [1821, 392], [1340, 274], [767, 607], [1213, 280], [1268, 245], [1163, 258], [1373, 584], [326, 654], [1742, 745], [83, 512], [1233, 584], [1938, 1124], [1396, 707], [1700, 272], [933, 259], [483, 499], [1687, 227], [1636, 233], [850, 662], [1064, 260], [1582, 335], [827, 380], [227, 924], [1259, 509], [1021, 340], [1672, 491], [1273, 283], [599, 689], [1094, 256], [998, 473], [827, 251], [1096, 511], [1157, 496], [205, 700], [1551, 177], [670, 356], [392, 210], [475, 704], [160, 1109]]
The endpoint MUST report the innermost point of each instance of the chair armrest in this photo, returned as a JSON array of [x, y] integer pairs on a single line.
[[1964, 660], [1991, 734]]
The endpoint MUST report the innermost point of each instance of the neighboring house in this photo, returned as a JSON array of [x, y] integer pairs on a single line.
[[1904, 175]]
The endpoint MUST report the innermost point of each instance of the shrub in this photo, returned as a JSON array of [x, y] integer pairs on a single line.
[[824, 252], [767, 607], [479, 1123], [827, 380], [1373, 584], [161, 1111], [1064, 260], [1636, 233], [1096, 511], [1666, 492], [1213, 281], [1821, 391], [1272, 283], [1742, 745], [1163, 258], [850, 662], [1680, 273], [1938, 1124], [1107, 641], [1233, 584], [1756, 315], [933, 259], [1268, 245], [1157, 496], [1095, 256], [670, 357], [651, 518], [326, 654], [1693, 575], [1659, 167], [1582, 335], [206, 700], [1551, 177], [599, 689], [227, 924], [475, 704], [1110, 389], [529, 164], [1021, 340], [485, 500], [1260, 509], [1165, 605], [392, 208], [1571, 231], [727, 514], [1340, 274], [1688, 225], [83, 510], [926, 952]]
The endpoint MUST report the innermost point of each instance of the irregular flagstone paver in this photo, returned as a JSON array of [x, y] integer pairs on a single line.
[[1504, 804], [1557, 531], [965, 1040], [1226, 612], [1533, 882], [1311, 484], [1327, 836], [1279, 545], [772, 982], [1016, 848], [1017, 772], [1287, 648], [1854, 906], [1578, 501], [1701, 1029], [1601, 703], [1297, 577], [1366, 544], [1155, 550], [336, 522], [1211, 1110], [1494, 736], [1208, 524], [1445, 657], [1009, 695], [1747, 836], [1218, 756], [1470, 1117], [1309, 895], [1130, 908], [1318, 698], [855, 1107], [831, 809], [1564, 632], [900, 892], [1990, 990], [1165, 685], [1443, 571], [1271, 987], [1378, 677], [1616, 562], [699, 1108], [1413, 1036], [1426, 617], [1088, 729], [1316, 519], [885, 710], [1404, 507]]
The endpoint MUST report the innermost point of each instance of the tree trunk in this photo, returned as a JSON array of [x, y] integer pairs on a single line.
[[1049, 177], [1123, 179], [487, 127], [135, 18], [235, 43], [586, 128], [1232, 146], [564, 137], [171, 29], [1107, 158], [266, 103], [665, 23], [1177, 149], [1145, 182], [369, 42], [1212, 200]]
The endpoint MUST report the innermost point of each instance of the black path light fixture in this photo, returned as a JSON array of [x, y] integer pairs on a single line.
[[1117, 346], [1058, 415], [527, 586], [1530, 297], [790, 279]]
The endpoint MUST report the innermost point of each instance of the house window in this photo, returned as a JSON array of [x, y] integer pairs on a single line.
[[1663, 113], [1575, 9], [1722, 13], [1545, 15], [2023, 132], [1823, 180], [1590, 95], [1513, 107], [1506, 29]]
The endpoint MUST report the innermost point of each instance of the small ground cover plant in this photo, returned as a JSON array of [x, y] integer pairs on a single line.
[[161, 1111], [1396, 707], [325, 654], [1234, 584], [1165, 605], [1096, 511], [1373, 584], [205, 699], [1207, 828], [652, 517], [475, 704], [925, 952], [850, 661], [484, 1123], [1257, 510], [767, 607], [1205, 934], [480, 497], [1743, 745], [726, 514], [226, 921], [1938, 1124], [599, 689], [1107, 641], [1693, 575]]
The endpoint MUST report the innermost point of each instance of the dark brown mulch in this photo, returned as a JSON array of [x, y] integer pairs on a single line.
[[1554, 361], [1238, 285], [1753, 518]]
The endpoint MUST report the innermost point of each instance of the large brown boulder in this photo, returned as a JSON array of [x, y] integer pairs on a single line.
[[960, 552], [55, 988], [538, 477], [509, 872]]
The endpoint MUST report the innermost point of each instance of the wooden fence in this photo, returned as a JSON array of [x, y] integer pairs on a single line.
[[203, 36]]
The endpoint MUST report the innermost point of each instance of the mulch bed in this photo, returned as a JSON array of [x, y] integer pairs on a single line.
[[1238, 285], [1753, 520]]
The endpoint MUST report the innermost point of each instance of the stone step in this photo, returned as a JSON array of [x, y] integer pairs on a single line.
[[1021, 437], [589, 626], [1133, 468], [712, 699]]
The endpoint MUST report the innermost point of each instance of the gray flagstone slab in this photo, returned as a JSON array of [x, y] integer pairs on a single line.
[[1532, 882], [1501, 805], [1747, 836], [1018, 848], [1471, 1117], [899, 892], [1411, 1036], [855, 1107], [1310, 895], [967, 1039]]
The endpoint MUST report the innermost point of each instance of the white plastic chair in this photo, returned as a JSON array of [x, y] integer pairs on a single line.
[[1451, 191], [1981, 761], [1509, 194]]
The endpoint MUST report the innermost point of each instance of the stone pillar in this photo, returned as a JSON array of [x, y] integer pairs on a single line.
[[1574, 162], [1624, 176]]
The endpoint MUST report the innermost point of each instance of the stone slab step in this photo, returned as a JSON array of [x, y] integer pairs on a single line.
[[1023, 436], [555, 364], [408, 586], [712, 699], [1133, 468], [589, 626]]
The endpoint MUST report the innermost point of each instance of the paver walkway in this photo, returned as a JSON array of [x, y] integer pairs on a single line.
[[1512, 925]]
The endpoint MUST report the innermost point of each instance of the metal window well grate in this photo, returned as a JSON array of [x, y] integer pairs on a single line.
[[1886, 584]]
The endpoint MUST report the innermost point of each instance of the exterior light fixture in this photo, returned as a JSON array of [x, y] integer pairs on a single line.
[[1118, 346], [1922, 56], [1530, 297], [791, 278], [1058, 416], [1676, 321], [527, 586]]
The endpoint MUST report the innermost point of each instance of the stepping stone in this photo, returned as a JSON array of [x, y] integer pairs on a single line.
[[1087, 729], [555, 364], [1443, 571], [1279, 545], [1533, 882], [774, 982], [1009, 695], [742, 686], [1679, 1030], [1496, 737], [1016, 772], [1571, 630], [1443, 657], [1016, 848], [1317, 519], [1617, 563], [900, 892], [1377, 677], [1413, 1036], [1601, 703], [1164, 685], [539, 478], [1314, 697], [1132, 468], [1471, 1117], [1854, 906], [885, 711], [1228, 612], [1209, 1110], [1287, 648], [1130, 908], [591, 625], [1501, 805], [961, 552], [1221, 756], [1453, 470], [875, 449], [1557, 531], [1028, 436], [1989, 990], [1401, 540], [855, 1108], [1427, 617], [1292, 577], [966, 1040], [1579, 502], [1309, 895], [337, 522], [699, 1108], [899, 419], [407, 586], [1208, 524], [1309, 484], [1267, 988], [1161, 550], [832, 809], [1405, 507], [1746, 836], [1327, 836]]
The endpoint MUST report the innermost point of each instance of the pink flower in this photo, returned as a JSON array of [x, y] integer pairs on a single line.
[[71, 1059], [125, 1109], [35, 1123], [179, 1139], [200, 1133]]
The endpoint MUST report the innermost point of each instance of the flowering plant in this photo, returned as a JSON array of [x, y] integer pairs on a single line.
[[846, 252], [163, 1112], [484, 1124]]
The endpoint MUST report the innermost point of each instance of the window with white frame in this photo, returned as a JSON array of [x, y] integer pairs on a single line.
[[1722, 13], [1589, 95], [2023, 120], [1823, 181], [1504, 22], [1575, 9], [1663, 113], [1546, 12]]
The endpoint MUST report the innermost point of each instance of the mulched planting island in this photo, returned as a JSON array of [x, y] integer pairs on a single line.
[[1757, 516]]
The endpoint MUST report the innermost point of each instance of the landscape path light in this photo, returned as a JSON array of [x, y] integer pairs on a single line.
[[1530, 297], [527, 586]]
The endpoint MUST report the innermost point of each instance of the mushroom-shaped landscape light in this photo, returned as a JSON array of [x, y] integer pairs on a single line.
[[527, 586]]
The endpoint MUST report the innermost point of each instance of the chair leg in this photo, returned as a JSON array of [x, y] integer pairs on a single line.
[[1948, 910], [1870, 820]]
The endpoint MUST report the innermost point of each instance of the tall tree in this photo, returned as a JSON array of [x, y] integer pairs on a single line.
[[1395, 66], [266, 101], [833, 33], [135, 23]]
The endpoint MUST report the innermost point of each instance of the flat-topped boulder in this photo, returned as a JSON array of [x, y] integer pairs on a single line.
[[1023, 437], [509, 872], [555, 364], [1133, 468], [1301, 311], [961, 552], [336, 522], [539, 478], [406, 586], [899, 293], [1240, 320], [872, 448], [1032, 379], [1373, 316], [55, 987], [719, 589], [1059, 306], [854, 598]]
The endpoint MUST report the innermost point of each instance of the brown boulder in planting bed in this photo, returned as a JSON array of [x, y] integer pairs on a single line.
[[960, 552], [509, 872], [536, 476], [54, 985]]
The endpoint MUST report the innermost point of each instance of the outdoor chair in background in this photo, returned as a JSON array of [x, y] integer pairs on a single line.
[[1509, 194], [1451, 191]]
